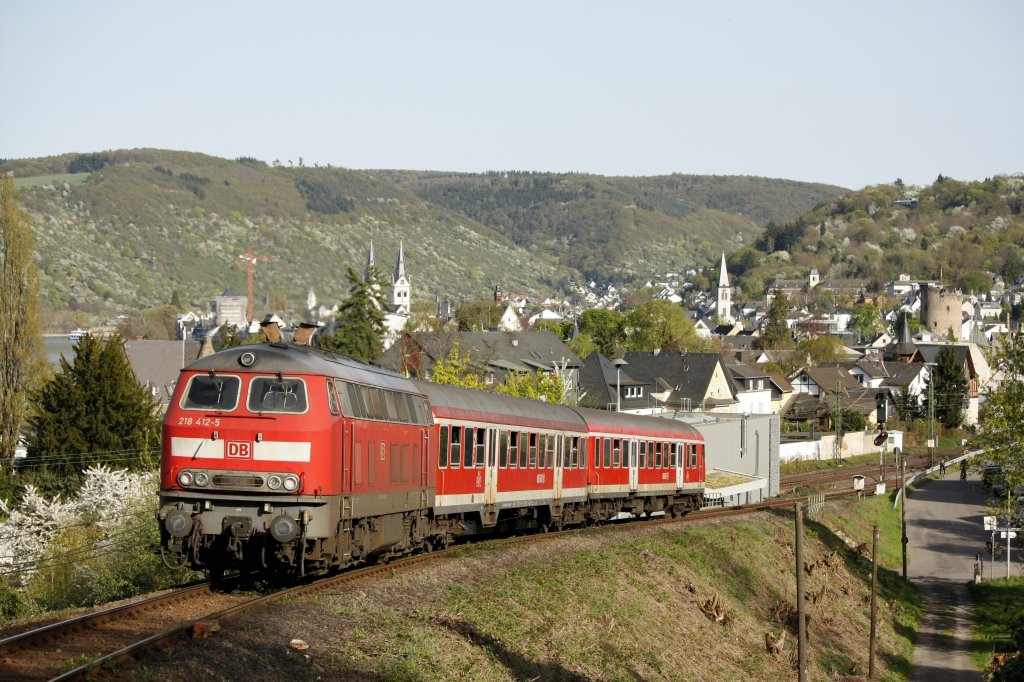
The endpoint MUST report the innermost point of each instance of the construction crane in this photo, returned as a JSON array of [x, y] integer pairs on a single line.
[[250, 259]]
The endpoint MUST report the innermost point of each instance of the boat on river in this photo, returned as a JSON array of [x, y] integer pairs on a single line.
[[77, 334]]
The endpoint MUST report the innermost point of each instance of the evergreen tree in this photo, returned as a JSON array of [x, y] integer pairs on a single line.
[[91, 412], [775, 332], [22, 360], [359, 325], [949, 387]]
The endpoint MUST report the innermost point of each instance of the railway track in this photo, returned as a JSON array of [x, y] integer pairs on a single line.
[[843, 478], [85, 646]]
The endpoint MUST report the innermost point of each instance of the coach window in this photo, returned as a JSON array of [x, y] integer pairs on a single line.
[[503, 450], [533, 450], [513, 449], [693, 455], [607, 452], [549, 451], [657, 455], [469, 441], [596, 444], [524, 449], [566, 450], [643, 454], [481, 447], [456, 447], [616, 453], [574, 451], [442, 450], [675, 455]]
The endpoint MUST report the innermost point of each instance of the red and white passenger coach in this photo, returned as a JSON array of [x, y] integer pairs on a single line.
[[285, 457]]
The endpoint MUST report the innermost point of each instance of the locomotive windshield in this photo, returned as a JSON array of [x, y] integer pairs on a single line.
[[218, 393], [270, 394]]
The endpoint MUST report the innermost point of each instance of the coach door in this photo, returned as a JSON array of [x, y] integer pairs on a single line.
[[679, 460], [560, 453], [491, 470], [634, 473]]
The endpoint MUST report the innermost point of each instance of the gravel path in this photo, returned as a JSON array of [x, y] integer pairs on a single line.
[[945, 532]]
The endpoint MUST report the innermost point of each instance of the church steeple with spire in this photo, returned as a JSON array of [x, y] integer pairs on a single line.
[[400, 285], [723, 304]]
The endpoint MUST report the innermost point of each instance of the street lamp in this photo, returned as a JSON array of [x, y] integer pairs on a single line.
[[618, 362]]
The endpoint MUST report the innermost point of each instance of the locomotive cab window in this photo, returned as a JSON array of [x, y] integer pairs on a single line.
[[204, 392], [271, 394]]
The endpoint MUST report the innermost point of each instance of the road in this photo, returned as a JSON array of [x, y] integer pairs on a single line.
[[945, 533]]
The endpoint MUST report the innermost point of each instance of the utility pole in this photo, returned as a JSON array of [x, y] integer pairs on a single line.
[[874, 601], [931, 420], [903, 513], [801, 631], [837, 424], [250, 259]]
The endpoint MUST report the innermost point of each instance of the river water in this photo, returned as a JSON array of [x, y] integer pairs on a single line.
[[57, 346]]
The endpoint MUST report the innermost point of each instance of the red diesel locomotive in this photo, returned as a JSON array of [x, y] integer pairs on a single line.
[[285, 457]]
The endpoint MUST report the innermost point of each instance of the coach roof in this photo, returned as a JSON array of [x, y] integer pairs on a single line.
[[471, 405]]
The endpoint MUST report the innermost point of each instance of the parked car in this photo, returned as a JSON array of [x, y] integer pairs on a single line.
[[990, 474]]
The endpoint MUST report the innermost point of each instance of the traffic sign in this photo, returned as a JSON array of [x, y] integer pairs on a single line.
[[1012, 534], [991, 522]]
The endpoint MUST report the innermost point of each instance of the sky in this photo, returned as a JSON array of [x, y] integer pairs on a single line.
[[846, 93]]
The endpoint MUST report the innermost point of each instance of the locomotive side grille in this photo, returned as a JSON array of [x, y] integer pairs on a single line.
[[237, 481]]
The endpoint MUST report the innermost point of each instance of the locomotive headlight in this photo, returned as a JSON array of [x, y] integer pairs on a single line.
[[291, 483], [185, 479], [284, 529], [274, 482], [202, 478], [178, 523]]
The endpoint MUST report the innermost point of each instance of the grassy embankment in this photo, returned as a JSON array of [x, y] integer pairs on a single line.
[[612, 604], [998, 608]]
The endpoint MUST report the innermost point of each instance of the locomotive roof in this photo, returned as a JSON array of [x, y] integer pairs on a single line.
[[300, 359], [469, 404], [637, 424]]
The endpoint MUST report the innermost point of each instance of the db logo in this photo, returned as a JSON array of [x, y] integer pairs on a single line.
[[239, 449]]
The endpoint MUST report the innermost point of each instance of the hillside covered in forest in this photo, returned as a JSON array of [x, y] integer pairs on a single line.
[[963, 234], [120, 231]]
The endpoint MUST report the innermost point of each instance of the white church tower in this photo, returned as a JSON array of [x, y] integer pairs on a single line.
[[723, 307], [400, 285], [368, 272]]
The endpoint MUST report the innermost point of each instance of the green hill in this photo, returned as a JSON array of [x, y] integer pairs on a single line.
[[121, 231], [962, 233], [619, 226]]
